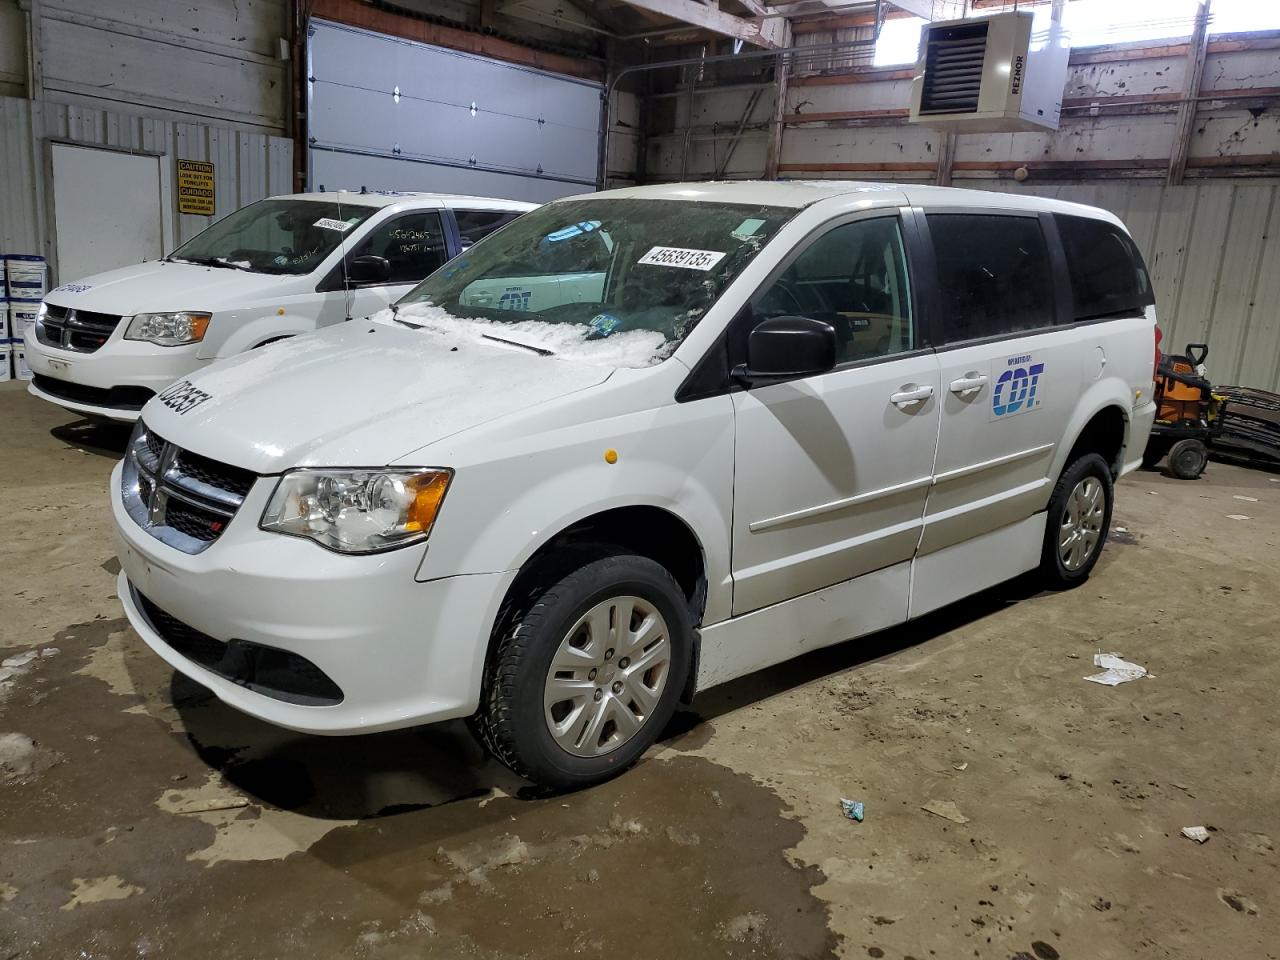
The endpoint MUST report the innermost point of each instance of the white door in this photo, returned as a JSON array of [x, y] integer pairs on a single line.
[[831, 472], [108, 209], [414, 246], [1010, 380]]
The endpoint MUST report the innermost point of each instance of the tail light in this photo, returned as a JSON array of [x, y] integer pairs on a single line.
[[1155, 369]]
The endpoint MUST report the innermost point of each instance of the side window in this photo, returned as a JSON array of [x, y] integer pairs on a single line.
[[474, 224], [994, 274], [1108, 277], [413, 244], [855, 278]]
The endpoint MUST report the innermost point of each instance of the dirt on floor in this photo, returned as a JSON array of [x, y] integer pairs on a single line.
[[1012, 810]]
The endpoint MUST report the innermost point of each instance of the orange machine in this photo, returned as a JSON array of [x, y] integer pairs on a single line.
[[1186, 414]]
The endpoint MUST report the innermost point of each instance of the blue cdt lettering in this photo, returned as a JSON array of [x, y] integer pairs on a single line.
[[1022, 383]]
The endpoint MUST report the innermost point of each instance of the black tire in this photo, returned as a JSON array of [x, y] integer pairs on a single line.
[[1157, 447], [510, 721], [1055, 571], [1187, 459]]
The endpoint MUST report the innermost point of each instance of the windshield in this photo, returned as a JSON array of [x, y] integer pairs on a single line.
[[275, 236], [612, 280]]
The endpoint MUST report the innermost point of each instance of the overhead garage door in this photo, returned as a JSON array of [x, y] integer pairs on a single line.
[[393, 114]]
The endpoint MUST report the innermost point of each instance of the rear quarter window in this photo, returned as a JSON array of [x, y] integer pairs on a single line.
[[1108, 277]]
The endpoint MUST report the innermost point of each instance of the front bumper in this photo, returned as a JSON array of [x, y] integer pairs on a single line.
[[113, 381], [401, 652]]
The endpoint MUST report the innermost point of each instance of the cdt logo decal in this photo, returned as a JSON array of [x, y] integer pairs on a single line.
[[1017, 379]]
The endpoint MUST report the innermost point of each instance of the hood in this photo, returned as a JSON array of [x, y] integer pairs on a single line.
[[356, 395], [161, 285]]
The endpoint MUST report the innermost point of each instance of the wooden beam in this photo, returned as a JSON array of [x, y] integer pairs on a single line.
[[932, 9], [356, 14], [777, 129], [946, 158], [854, 75], [1199, 48], [762, 33]]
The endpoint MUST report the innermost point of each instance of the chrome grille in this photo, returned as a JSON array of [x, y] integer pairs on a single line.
[[83, 331], [180, 497]]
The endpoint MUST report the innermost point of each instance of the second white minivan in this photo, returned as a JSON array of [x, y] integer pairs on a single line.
[[102, 346], [782, 416]]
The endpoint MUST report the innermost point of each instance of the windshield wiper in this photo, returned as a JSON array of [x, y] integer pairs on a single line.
[[208, 262], [540, 351]]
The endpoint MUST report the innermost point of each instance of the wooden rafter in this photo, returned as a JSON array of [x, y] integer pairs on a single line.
[[761, 32]]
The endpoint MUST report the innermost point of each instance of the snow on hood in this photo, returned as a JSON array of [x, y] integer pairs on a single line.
[[359, 394], [161, 285], [568, 341]]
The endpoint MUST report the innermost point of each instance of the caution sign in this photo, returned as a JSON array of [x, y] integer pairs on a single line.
[[195, 187]]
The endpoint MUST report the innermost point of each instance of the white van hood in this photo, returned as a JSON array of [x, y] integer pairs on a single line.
[[357, 395], [160, 285]]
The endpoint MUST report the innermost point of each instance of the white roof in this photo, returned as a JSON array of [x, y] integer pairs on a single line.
[[803, 193], [385, 198]]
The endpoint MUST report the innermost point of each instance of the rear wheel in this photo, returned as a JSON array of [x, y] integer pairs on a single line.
[[586, 675], [1188, 458], [1079, 516]]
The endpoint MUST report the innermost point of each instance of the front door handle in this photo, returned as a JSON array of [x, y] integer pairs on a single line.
[[909, 394], [971, 382]]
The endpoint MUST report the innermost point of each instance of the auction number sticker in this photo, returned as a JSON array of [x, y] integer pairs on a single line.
[[681, 257], [340, 225]]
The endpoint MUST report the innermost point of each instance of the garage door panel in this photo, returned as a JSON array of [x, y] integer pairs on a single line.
[[376, 95]]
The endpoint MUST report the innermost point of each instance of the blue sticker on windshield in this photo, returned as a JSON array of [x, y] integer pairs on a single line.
[[281, 261], [603, 324], [586, 226]]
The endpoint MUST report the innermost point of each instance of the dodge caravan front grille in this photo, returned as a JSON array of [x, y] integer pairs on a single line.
[[83, 331], [180, 497]]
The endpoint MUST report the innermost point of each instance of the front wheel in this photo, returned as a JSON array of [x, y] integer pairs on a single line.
[[1079, 516], [1188, 458], [587, 673]]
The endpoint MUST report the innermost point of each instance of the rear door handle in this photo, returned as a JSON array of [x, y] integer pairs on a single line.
[[970, 383], [909, 394]]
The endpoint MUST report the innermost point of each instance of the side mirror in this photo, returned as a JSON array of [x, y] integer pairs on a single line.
[[784, 348], [368, 269]]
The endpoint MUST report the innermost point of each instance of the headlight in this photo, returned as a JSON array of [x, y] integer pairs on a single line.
[[357, 511], [169, 329]]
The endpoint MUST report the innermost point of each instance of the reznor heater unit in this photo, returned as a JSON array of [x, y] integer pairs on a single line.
[[995, 74]]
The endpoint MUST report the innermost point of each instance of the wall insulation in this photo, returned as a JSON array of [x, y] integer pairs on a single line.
[[247, 166]]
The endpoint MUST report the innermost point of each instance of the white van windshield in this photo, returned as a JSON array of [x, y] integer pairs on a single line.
[[275, 236], [614, 280]]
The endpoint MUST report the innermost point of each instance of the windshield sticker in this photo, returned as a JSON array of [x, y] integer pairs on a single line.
[[329, 224], [74, 288], [681, 257], [182, 397], [747, 228]]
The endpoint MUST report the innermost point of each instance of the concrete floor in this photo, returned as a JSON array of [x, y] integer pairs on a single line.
[[149, 820]]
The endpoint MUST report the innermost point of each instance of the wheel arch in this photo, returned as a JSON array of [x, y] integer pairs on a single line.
[[644, 529], [1105, 432]]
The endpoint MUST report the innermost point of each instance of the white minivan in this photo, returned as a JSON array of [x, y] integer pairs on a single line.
[[792, 414], [104, 345]]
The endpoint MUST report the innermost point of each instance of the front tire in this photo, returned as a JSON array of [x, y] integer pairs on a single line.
[[587, 672], [1187, 459], [1077, 522]]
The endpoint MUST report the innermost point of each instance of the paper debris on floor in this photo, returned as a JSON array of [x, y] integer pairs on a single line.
[[1249, 499], [946, 809], [1198, 834], [851, 809], [1237, 516], [1115, 670]]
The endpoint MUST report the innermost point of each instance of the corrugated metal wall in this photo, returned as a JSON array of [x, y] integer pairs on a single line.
[[247, 166], [1213, 250]]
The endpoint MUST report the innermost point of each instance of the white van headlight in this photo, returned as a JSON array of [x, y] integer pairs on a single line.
[[357, 511], [169, 329]]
